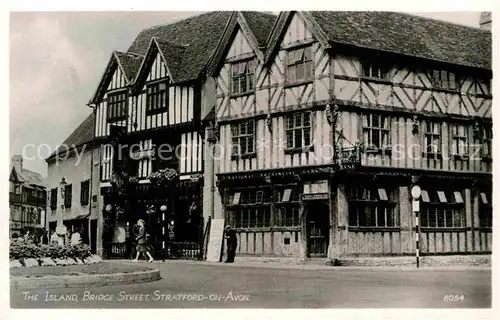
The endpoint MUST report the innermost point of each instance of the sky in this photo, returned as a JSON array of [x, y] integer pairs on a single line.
[[57, 60]]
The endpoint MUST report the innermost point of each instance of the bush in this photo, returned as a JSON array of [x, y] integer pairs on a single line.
[[21, 251]]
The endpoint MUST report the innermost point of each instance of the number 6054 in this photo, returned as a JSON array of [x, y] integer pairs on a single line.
[[454, 297]]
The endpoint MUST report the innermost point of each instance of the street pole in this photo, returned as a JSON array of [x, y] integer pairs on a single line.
[[416, 192]]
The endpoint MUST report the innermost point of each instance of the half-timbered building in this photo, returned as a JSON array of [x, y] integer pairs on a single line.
[[149, 108], [322, 129]]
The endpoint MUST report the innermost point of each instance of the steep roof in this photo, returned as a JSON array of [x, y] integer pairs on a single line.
[[199, 35], [174, 55], [256, 25], [130, 63], [408, 35], [260, 23], [84, 133], [31, 177]]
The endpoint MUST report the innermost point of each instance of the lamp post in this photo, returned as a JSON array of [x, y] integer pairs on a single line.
[[61, 228]]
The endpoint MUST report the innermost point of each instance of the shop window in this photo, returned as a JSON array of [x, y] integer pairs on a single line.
[[287, 206], [250, 208], [485, 211], [371, 207], [442, 209]]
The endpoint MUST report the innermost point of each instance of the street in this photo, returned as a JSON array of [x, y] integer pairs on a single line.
[[191, 285]]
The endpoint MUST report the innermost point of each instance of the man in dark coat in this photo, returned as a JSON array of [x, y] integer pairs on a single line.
[[232, 243]]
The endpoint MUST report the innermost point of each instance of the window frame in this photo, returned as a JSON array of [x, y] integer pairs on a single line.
[[155, 95], [485, 210], [430, 136], [383, 129], [441, 80], [243, 143], [304, 63], [116, 109], [287, 211], [303, 130], [364, 202], [368, 68], [459, 141], [85, 192], [486, 141], [243, 71], [439, 214], [68, 195], [247, 213], [53, 198]]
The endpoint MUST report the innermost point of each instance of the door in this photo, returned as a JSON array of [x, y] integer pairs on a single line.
[[318, 225]]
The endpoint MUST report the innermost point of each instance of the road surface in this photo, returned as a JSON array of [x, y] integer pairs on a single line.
[[191, 285]]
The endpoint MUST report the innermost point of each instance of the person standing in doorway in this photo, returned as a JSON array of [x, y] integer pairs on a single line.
[[232, 243], [141, 242]]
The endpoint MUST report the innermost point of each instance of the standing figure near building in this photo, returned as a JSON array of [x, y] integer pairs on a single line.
[[76, 238], [231, 243], [141, 242]]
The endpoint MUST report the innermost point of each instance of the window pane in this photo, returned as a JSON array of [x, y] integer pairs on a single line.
[[440, 218], [457, 218], [307, 137], [298, 139]]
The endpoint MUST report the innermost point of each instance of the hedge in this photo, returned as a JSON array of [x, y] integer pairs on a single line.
[[22, 250]]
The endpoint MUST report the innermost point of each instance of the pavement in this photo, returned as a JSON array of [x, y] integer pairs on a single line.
[[193, 284]]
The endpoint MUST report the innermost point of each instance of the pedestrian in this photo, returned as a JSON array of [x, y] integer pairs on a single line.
[[54, 238], [142, 247], [231, 243], [76, 238]]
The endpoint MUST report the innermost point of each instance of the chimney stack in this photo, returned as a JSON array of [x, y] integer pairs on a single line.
[[17, 162], [485, 20]]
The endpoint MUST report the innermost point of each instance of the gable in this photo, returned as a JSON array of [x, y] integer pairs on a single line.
[[297, 31], [294, 28], [13, 175], [239, 46], [113, 78], [116, 81], [158, 69]]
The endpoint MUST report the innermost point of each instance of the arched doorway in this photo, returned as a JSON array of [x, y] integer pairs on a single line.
[[318, 227]]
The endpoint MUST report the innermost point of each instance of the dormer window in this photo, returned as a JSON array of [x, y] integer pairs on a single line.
[[117, 106], [299, 65], [242, 77], [375, 71], [157, 98]]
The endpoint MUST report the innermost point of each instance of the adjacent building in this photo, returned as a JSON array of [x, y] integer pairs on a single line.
[[71, 184], [27, 199], [149, 108], [324, 121]]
